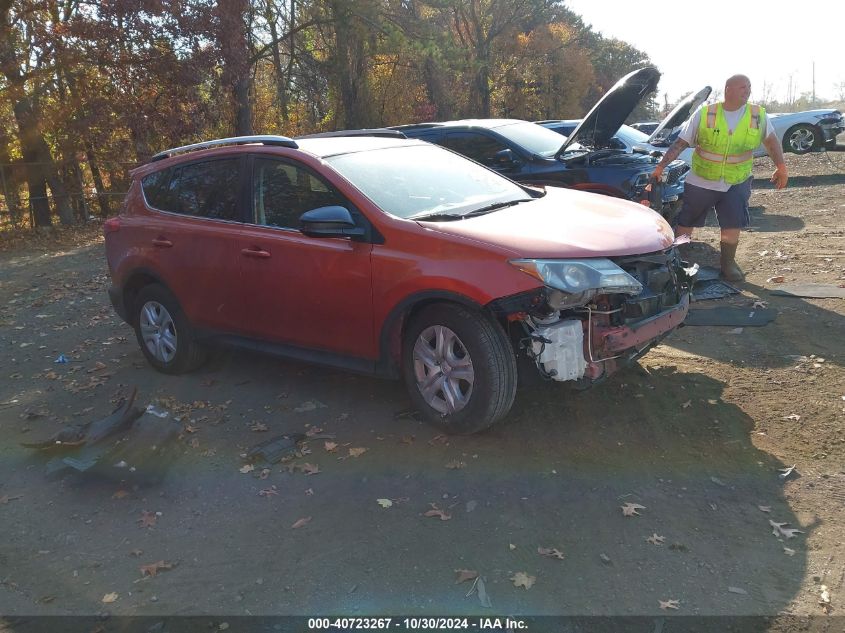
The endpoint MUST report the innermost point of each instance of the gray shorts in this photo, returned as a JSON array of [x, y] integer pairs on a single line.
[[731, 206]]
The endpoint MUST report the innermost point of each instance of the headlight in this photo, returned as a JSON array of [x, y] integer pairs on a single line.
[[828, 115], [580, 275], [641, 180]]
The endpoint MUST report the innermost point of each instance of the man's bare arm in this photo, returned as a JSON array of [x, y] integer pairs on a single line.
[[671, 154], [772, 145]]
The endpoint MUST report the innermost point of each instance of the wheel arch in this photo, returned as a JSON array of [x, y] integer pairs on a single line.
[[135, 282], [393, 328]]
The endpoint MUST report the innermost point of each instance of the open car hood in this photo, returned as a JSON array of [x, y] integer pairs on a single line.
[[679, 114], [608, 115]]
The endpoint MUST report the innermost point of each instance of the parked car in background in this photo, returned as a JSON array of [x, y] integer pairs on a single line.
[[632, 140], [392, 257], [808, 131], [646, 127], [532, 154]]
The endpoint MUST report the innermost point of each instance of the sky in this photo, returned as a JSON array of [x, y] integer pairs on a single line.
[[703, 43]]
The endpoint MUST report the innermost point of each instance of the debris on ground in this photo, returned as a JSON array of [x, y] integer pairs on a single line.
[[824, 599], [522, 579], [130, 440], [276, 448], [550, 552], [669, 604], [786, 472], [465, 574], [92, 432]]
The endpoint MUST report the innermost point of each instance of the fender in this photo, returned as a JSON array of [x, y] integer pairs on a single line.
[[390, 338]]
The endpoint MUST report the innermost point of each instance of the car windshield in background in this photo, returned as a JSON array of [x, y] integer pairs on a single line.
[[424, 180], [631, 136], [532, 137]]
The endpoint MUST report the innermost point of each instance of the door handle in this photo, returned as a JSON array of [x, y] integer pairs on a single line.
[[255, 252], [161, 242]]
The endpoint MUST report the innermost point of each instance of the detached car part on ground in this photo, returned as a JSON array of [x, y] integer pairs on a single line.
[[391, 257], [532, 154]]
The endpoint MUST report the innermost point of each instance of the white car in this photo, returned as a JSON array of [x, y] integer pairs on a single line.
[[802, 132]]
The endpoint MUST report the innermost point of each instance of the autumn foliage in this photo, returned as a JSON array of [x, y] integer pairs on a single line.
[[90, 90]]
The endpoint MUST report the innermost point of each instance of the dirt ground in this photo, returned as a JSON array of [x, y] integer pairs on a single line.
[[696, 434]]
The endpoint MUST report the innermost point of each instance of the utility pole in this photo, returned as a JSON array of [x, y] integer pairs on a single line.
[[814, 84]]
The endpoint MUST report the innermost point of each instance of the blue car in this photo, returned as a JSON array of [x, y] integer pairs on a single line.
[[532, 154]]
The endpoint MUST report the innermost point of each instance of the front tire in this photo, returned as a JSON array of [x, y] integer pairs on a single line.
[[163, 332], [802, 139], [459, 368]]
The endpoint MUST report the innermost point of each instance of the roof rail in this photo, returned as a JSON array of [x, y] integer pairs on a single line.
[[379, 131], [415, 126], [282, 141]]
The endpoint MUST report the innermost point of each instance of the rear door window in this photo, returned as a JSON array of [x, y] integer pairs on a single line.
[[478, 147], [205, 190]]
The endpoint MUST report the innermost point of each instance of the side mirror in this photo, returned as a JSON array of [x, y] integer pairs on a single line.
[[334, 221], [505, 158]]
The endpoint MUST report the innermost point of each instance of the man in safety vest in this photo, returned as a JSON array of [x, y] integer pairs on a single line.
[[724, 136]]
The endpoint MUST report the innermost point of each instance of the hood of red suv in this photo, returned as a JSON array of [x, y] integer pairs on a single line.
[[567, 223]]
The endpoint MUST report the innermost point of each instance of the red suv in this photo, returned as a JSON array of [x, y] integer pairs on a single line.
[[392, 257]]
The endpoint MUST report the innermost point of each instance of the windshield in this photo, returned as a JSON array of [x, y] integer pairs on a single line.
[[418, 180], [532, 137], [631, 136]]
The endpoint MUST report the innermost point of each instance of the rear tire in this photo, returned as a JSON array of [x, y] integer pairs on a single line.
[[163, 332], [459, 368]]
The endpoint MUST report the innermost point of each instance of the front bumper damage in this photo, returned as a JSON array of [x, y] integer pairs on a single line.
[[587, 343]]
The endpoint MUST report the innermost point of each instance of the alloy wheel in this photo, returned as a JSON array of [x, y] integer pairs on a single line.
[[158, 331], [443, 369], [802, 139]]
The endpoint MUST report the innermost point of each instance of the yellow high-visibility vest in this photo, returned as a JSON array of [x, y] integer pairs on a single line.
[[722, 154]]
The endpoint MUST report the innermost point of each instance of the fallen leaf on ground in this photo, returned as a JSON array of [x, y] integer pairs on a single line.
[[669, 604], [153, 568], [630, 509], [265, 472], [788, 551], [309, 469], [310, 492], [300, 522], [511, 546], [550, 552], [408, 439], [330, 447], [455, 464], [654, 539], [110, 597], [6, 499], [247, 468], [314, 430], [357, 452], [760, 305], [437, 512], [786, 472], [522, 579], [268, 492], [384, 503], [148, 519], [777, 279], [764, 508], [687, 404], [465, 574], [120, 494], [258, 428], [136, 553], [792, 416], [738, 590], [778, 529]]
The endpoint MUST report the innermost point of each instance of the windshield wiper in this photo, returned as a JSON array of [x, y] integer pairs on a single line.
[[436, 216], [495, 207]]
